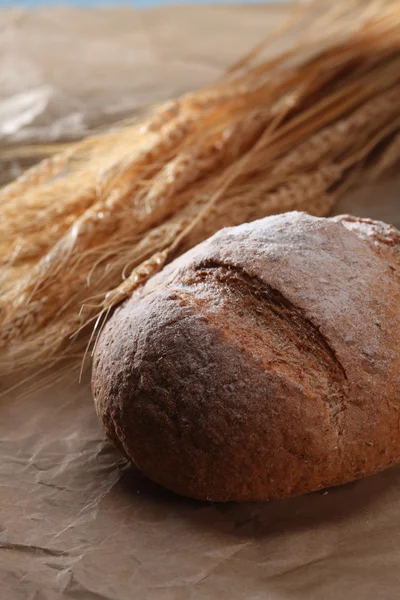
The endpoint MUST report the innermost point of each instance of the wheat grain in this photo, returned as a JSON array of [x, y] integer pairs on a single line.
[[334, 138], [38, 174]]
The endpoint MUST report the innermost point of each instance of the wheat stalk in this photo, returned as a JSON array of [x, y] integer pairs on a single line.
[[389, 160], [84, 229], [332, 139]]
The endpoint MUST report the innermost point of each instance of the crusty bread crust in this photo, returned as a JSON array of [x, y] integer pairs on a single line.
[[263, 363]]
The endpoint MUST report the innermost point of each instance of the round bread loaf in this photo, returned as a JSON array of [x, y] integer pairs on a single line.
[[263, 363]]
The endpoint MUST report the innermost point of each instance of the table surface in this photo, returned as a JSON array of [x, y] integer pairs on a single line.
[[110, 3]]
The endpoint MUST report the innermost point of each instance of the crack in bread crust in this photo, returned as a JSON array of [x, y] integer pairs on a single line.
[[263, 322]]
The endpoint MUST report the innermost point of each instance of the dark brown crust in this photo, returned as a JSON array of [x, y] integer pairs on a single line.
[[263, 363]]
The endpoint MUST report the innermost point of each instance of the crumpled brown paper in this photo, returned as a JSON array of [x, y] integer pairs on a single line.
[[64, 71], [76, 521]]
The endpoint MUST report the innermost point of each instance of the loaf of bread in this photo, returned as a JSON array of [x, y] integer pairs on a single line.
[[263, 363]]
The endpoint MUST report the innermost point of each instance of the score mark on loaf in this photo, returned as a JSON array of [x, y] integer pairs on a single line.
[[263, 363]]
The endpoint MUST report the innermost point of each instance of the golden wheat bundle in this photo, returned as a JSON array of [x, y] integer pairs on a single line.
[[80, 231]]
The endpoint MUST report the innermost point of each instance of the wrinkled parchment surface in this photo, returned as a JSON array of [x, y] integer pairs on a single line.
[[65, 70], [76, 522]]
